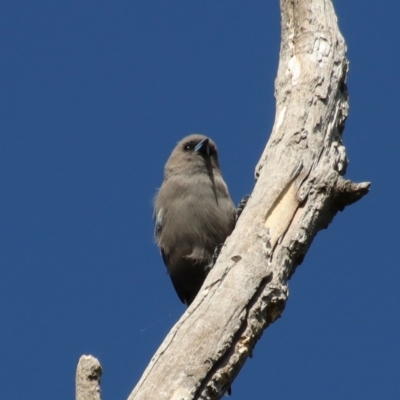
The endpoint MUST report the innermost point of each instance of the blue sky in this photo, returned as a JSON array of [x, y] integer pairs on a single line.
[[93, 97]]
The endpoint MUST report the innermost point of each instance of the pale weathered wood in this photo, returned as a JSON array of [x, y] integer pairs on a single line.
[[300, 187], [88, 376], [299, 190]]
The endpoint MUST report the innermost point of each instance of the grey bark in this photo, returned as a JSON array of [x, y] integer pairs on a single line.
[[300, 188]]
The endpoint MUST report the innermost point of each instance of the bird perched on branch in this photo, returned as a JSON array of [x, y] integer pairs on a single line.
[[193, 213]]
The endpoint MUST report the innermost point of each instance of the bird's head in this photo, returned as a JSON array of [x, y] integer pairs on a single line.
[[193, 154]]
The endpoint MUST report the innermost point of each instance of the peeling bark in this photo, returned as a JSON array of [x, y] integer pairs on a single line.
[[300, 188]]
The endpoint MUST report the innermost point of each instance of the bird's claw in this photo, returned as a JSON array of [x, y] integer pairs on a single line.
[[241, 206]]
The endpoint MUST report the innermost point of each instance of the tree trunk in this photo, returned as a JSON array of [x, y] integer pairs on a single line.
[[299, 190]]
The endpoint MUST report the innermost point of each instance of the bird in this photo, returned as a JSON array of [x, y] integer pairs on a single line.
[[193, 214]]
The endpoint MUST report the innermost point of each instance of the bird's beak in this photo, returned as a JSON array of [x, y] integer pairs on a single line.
[[203, 147]]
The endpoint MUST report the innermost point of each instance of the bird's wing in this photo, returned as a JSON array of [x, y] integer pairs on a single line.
[[178, 289], [157, 218]]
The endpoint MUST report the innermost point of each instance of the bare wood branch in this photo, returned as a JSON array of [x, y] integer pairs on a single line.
[[88, 376], [300, 188]]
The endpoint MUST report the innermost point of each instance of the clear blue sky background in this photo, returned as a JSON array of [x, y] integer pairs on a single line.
[[94, 95]]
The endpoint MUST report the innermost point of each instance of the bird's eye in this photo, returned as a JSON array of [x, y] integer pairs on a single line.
[[188, 146]]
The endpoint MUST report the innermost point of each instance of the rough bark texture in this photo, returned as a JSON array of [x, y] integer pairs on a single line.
[[299, 190], [88, 376]]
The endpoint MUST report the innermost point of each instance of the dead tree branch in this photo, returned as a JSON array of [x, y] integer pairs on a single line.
[[88, 376], [300, 188]]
